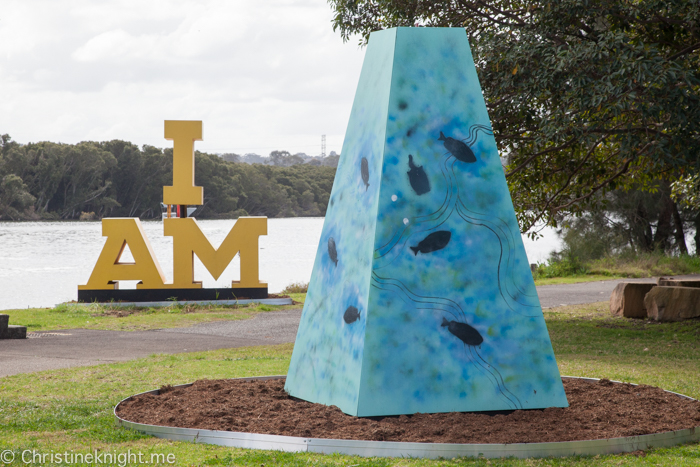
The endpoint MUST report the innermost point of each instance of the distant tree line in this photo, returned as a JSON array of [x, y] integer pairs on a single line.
[[53, 181], [284, 159]]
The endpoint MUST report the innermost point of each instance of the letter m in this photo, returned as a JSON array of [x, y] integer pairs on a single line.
[[188, 240]]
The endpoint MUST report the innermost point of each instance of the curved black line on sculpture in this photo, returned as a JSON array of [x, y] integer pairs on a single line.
[[392, 239], [351, 315], [490, 376], [498, 272], [500, 377], [406, 241], [449, 195], [428, 299], [493, 379], [471, 338], [417, 177], [364, 171], [506, 235], [415, 303], [403, 289], [504, 283], [474, 133], [332, 251], [502, 388], [508, 279], [500, 257], [433, 305], [457, 148], [446, 302], [434, 242]]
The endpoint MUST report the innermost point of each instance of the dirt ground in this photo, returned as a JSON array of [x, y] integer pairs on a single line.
[[598, 409]]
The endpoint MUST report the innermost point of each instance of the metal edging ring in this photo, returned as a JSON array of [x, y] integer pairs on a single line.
[[419, 450]]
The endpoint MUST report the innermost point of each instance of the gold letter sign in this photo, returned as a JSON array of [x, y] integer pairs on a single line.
[[188, 240], [183, 134]]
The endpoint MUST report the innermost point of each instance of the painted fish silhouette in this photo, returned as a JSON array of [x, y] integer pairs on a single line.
[[457, 148], [433, 242], [417, 177], [463, 331], [332, 251], [351, 315], [364, 170]]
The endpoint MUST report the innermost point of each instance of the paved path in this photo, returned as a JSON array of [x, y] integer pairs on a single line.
[[82, 347], [586, 292]]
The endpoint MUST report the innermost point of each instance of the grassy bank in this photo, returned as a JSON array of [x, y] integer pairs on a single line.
[[71, 409], [570, 269], [110, 318]]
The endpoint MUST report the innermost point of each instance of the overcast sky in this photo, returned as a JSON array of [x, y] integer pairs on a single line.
[[260, 74]]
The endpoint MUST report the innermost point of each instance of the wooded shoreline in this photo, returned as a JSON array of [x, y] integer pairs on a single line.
[[92, 180]]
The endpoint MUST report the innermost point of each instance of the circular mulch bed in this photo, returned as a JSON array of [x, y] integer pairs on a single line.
[[598, 410]]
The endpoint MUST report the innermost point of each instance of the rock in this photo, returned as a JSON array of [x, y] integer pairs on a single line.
[[11, 332], [628, 299], [671, 282], [15, 332], [673, 303]]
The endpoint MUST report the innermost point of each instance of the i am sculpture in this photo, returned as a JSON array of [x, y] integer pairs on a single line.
[[188, 240]]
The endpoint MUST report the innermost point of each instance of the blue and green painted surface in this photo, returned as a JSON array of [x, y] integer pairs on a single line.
[[421, 297]]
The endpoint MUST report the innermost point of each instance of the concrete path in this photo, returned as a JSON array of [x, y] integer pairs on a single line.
[[587, 292], [82, 347]]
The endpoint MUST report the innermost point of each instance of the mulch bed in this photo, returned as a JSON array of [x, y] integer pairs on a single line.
[[598, 409]]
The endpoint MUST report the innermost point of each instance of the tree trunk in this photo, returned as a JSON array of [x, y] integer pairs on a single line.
[[697, 235], [679, 232], [664, 227], [643, 231]]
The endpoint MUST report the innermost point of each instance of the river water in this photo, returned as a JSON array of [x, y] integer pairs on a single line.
[[42, 263]]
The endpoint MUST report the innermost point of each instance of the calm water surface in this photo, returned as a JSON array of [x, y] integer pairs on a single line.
[[42, 263]]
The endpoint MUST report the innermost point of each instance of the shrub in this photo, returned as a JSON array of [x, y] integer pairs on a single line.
[[296, 287]]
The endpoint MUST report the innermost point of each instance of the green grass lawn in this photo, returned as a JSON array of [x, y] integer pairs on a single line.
[[93, 316], [569, 270], [576, 279], [71, 409]]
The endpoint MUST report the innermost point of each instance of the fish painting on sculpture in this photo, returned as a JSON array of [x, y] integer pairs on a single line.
[[351, 315], [332, 251], [421, 298], [458, 149], [364, 171], [417, 177], [433, 242]]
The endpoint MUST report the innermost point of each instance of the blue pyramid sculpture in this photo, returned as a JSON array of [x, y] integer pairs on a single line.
[[421, 297]]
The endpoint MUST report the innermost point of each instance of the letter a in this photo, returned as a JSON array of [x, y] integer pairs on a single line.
[[145, 268]]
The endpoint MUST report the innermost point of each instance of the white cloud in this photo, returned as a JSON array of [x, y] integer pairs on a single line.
[[262, 75]]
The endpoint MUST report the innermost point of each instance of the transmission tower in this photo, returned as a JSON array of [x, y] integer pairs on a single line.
[[323, 145]]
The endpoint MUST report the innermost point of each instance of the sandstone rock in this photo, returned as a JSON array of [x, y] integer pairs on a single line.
[[671, 282], [673, 303], [628, 299]]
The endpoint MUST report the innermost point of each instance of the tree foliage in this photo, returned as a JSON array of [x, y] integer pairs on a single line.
[[584, 96], [632, 220], [118, 179]]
